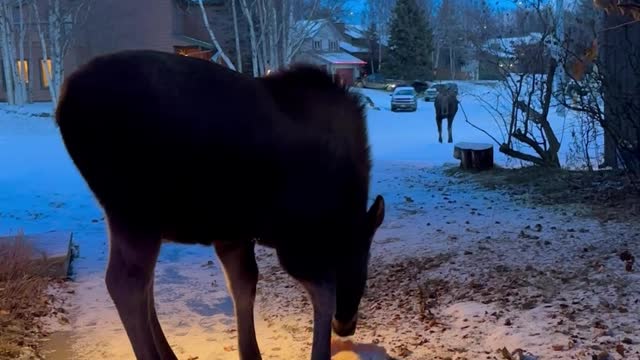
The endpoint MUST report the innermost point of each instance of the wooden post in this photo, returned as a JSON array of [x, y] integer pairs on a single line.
[[474, 156]]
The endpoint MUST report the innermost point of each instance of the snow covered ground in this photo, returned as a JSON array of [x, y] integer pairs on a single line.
[[457, 272]]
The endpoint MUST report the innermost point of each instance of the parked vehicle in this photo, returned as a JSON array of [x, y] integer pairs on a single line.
[[380, 82], [432, 92], [404, 98]]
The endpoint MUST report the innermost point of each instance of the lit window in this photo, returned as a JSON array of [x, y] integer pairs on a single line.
[[45, 65], [23, 70]]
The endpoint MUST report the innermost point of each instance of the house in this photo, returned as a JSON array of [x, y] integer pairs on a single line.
[[174, 26], [165, 25], [355, 40], [520, 54], [357, 43], [322, 46]]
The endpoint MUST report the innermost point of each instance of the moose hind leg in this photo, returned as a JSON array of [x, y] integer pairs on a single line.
[[129, 277], [241, 272], [450, 128]]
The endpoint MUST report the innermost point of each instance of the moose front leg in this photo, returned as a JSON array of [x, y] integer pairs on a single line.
[[323, 299], [450, 128], [241, 272]]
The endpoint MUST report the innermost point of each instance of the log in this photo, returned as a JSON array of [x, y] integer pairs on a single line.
[[474, 156]]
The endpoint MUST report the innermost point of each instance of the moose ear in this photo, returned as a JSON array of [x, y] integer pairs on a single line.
[[376, 213]]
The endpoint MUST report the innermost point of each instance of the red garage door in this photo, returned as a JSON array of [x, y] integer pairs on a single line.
[[346, 75]]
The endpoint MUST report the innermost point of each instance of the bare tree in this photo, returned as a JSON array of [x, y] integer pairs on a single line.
[[213, 37], [379, 12], [57, 34], [12, 33], [523, 115], [448, 33], [236, 34], [247, 10]]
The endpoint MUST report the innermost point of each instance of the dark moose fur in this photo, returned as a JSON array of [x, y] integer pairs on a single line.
[[184, 150]]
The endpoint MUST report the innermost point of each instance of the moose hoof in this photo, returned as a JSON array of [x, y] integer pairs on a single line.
[[344, 329]]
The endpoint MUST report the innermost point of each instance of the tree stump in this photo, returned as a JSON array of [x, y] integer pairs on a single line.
[[474, 156]]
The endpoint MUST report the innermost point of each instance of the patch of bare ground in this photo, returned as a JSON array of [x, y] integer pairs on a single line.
[[24, 302], [607, 194]]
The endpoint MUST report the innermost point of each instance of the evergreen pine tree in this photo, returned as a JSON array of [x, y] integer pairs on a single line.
[[410, 43]]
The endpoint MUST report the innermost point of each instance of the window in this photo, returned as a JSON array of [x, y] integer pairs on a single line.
[[317, 44], [45, 65], [333, 45], [23, 69]]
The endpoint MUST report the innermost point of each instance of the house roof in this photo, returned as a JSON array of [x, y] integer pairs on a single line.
[[506, 47], [194, 41], [359, 32], [348, 47], [309, 28], [340, 58], [355, 31]]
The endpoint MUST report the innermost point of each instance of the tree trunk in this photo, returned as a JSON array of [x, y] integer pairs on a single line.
[[236, 34], [8, 40], [43, 45], [56, 26], [252, 37], [22, 32], [619, 51], [285, 28], [263, 36], [436, 61], [474, 156], [452, 64], [7, 62], [274, 37], [212, 35], [379, 54]]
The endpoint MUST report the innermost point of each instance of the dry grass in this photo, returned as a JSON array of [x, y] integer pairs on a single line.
[[23, 300], [608, 195]]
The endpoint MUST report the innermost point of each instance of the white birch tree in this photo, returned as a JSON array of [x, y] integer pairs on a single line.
[[12, 33], [213, 37], [56, 31], [236, 34]]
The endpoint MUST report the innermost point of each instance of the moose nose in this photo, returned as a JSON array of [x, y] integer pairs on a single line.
[[344, 329]]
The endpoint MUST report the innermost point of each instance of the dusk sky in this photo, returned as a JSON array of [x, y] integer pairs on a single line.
[[357, 7]]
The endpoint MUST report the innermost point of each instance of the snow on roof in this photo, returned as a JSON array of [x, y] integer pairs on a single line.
[[352, 48], [360, 32], [506, 47], [340, 58], [309, 28], [355, 31]]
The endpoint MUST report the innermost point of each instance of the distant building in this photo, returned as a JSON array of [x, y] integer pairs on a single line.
[[517, 54], [322, 46]]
